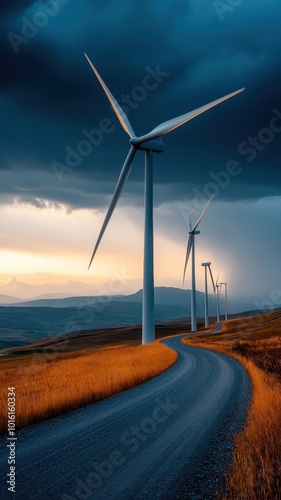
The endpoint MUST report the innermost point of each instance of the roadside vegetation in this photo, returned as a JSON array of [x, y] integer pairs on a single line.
[[53, 386], [255, 473]]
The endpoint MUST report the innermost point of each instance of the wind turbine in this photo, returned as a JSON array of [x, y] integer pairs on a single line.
[[191, 248], [149, 145], [225, 298], [218, 298], [207, 265]]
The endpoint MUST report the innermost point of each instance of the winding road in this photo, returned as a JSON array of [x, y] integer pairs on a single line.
[[169, 438]]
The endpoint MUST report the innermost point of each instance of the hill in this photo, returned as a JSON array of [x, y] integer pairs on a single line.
[[8, 299], [25, 322]]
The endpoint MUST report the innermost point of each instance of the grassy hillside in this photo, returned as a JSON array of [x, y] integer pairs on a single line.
[[24, 325], [62, 345]]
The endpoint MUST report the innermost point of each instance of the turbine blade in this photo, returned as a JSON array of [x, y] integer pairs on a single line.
[[188, 250], [212, 278], [190, 225], [217, 282], [168, 126], [189, 219], [118, 189], [202, 213], [121, 115]]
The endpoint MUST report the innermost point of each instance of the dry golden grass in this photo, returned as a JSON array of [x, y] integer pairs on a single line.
[[47, 389], [255, 472], [265, 352]]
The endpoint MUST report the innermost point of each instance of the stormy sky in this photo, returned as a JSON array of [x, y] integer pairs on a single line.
[[160, 59]]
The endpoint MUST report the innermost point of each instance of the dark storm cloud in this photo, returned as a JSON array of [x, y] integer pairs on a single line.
[[13, 7], [48, 96]]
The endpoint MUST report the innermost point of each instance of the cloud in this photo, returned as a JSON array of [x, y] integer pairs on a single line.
[[48, 96], [8, 9]]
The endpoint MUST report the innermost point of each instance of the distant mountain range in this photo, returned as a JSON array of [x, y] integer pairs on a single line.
[[8, 299], [168, 296], [23, 322], [11, 300]]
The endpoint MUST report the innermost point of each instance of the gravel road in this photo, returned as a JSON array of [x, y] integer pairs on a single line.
[[169, 438]]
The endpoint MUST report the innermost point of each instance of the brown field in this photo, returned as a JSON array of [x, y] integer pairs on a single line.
[[62, 345], [256, 343], [46, 389]]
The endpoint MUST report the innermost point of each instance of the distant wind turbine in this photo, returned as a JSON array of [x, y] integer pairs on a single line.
[[207, 265], [218, 287], [225, 299], [149, 145], [191, 248]]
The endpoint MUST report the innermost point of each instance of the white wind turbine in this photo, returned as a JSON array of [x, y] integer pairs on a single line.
[[225, 298], [191, 249], [207, 265], [149, 145], [218, 288]]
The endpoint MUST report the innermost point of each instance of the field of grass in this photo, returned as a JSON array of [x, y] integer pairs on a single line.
[[49, 387], [256, 342], [62, 345]]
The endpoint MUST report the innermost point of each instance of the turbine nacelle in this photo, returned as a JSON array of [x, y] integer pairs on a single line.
[[208, 265], [192, 233], [153, 145]]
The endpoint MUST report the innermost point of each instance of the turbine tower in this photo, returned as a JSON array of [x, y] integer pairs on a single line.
[[225, 299], [218, 287], [149, 143], [207, 265], [191, 249]]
